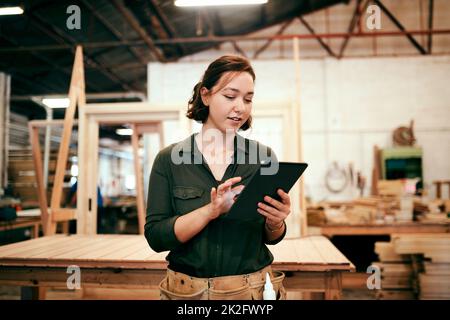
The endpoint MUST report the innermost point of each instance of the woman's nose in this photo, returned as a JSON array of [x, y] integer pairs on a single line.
[[239, 106]]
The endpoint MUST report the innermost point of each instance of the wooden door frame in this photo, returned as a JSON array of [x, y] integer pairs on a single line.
[[90, 117]]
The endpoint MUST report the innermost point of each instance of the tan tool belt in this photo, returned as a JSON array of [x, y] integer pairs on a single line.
[[180, 286]]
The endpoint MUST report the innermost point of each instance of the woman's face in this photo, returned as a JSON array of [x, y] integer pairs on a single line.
[[231, 106]]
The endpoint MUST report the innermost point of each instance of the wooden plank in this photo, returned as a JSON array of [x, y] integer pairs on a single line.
[[157, 256], [47, 226], [434, 246], [333, 289], [143, 254], [24, 246], [135, 246], [46, 123], [90, 277], [395, 295], [139, 179], [120, 294], [306, 252], [94, 244], [437, 268], [76, 91], [306, 281], [83, 150], [20, 223], [92, 182], [102, 253], [330, 254], [434, 286], [283, 252], [63, 214], [389, 229], [149, 127], [394, 269], [386, 253], [60, 247], [28, 252]]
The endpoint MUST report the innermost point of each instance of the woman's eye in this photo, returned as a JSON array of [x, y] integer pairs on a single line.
[[248, 100], [229, 98]]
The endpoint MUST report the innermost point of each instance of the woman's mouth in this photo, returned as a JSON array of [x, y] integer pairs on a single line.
[[235, 119]]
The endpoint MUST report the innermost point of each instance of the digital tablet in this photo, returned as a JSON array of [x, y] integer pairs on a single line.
[[261, 185]]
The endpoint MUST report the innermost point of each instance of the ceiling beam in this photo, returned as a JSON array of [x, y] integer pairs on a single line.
[[400, 27], [62, 38], [238, 49], [167, 25], [65, 70], [356, 16], [268, 42], [132, 21], [114, 31], [217, 39], [319, 39], [67, 46]]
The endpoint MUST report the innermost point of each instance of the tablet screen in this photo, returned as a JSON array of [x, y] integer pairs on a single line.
[[261, 185]]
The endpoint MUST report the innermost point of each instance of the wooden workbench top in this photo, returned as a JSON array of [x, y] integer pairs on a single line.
[[331, 230], [314, 253]]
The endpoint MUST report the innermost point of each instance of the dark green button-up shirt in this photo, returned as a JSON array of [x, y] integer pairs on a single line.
[[180, 182]]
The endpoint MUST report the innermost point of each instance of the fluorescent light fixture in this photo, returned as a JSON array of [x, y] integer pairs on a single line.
[[203, 3], [6, 11], [124, 132], [56, 102]]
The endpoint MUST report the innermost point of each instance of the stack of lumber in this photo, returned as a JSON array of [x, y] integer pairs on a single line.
[[434, 282], [316, 215], [22, 177], [432, 211], [397, 273], [390, 187]]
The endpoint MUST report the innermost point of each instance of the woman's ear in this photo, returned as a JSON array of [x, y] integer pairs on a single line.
[[204, 94]]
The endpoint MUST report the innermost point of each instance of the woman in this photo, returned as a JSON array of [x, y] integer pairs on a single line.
[[194, 183]]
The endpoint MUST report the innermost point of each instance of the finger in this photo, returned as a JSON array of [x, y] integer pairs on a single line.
[[237, 190], [284, 197], [223, 188], [234, 180], [270, 217], [272, 211], [274, 203], [213, 194]]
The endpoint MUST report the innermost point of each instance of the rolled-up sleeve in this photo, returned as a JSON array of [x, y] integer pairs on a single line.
[[160, 219], [277, 240]]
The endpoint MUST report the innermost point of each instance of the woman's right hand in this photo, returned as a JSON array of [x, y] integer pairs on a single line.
[[223, 197]]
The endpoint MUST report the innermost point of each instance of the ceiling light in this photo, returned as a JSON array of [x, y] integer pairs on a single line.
[[124, 132], [56, 102], [5, 11], [203, 3]]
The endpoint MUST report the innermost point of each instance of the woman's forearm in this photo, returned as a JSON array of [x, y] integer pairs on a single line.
[[190, 224]]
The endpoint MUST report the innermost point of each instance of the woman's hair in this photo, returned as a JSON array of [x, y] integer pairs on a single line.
[[236, 64]]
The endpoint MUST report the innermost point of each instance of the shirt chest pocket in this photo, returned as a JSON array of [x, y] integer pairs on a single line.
[[188, 199]]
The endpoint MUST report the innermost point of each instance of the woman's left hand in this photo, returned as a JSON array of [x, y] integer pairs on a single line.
[[277, 211]]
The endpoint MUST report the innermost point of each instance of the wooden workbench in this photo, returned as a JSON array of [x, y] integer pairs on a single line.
[[312, 264], [23, 222], [330, 230]]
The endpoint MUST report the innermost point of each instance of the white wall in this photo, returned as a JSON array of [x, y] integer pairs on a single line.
[[348, 106]]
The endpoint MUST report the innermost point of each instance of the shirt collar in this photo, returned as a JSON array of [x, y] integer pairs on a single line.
[[188, 145]]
